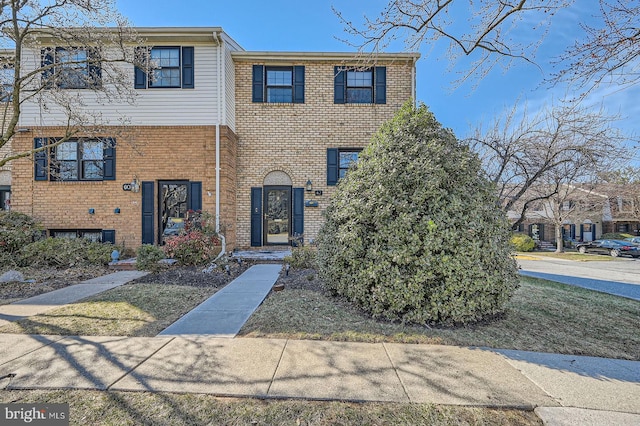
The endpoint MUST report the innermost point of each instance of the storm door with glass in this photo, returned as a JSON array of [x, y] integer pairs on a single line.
[[277, 214], [173, 205]]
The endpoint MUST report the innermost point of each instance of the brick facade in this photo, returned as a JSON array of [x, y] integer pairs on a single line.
[[294, 138], [172, 153]]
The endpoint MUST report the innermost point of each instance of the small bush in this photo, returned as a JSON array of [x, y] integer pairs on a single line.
[[302, 257], [63, 252], [197, 244], [17, 230], [148, 256], [522, 242]]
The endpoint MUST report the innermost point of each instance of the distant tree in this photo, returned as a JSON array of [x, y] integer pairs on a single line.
[[86, 55], [489, 31], [529, 158], [414, 232]]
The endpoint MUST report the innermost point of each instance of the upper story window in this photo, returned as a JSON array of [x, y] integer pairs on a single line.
[[165, 67], [339, 161], [75, 160], [353, 85], [278, 84], [71, 68], [7, 78]]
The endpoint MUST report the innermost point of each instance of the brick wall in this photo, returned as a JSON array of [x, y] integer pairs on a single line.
[[294, 137], [151, 154]]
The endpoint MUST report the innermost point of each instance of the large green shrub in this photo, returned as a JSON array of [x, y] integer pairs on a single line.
[[522, 242], [148, 256], [17, 230], [65, 252], [414, 232]]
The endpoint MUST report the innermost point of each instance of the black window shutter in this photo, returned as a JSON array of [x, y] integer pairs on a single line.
[[256, 217], [109, 236], [147, 213], [339, 86], [258, 84], [95, 68], [298, 84], [109, 156], [40, 171], [140, 76], [47, 59], [195, 196], [332, 166], [298, 211], [380, 75], [188, 68]]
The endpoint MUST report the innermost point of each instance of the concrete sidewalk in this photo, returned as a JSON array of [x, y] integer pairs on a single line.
[[224, 313], [54, 299], [563, 389]]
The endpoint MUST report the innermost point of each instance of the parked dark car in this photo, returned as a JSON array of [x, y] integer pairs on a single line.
[[614, 248]]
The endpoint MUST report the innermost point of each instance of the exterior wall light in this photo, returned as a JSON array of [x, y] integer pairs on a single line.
[[116, 210], [92, 211], [309, 186], [135, 184]]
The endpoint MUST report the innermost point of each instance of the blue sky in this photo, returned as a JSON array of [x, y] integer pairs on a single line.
[[279, 25]]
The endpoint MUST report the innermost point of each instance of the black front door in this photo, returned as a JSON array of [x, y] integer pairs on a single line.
[[277, 215], [172, 205]]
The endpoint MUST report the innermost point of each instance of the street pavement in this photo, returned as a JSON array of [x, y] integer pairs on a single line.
[[619, 277], [563, 389]]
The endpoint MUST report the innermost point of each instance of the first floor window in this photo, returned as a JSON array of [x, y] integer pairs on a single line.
[[74, 160], [346, 159], [80, 160], [339, 161]]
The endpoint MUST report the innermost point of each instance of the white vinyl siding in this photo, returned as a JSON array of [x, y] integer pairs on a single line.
[[152, 107], [230, 89]]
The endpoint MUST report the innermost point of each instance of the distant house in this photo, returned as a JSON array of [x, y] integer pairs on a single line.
[[258, 139], [584, 213]]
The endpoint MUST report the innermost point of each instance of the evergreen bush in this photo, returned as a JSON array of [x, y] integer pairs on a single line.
[[522, 242], [17, 230], [65, 252], [148, 256], [414, 232]]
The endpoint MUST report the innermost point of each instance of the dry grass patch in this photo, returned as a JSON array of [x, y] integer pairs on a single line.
[[542, 316], [129, 310], [137, 408], [568, 255]]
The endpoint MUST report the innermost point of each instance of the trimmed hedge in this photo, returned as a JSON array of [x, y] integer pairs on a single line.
[[414, 232], [64, 252]]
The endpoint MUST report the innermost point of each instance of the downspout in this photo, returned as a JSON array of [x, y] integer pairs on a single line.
[[219, 120]]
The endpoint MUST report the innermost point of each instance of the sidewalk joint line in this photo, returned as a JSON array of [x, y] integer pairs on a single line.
[[132, 369], [275, 371], [395, 370]]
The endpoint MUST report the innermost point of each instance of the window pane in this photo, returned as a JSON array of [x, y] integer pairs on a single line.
[[94, 236], [67, 151], [279, 77], [165, 57], [92, 150], [92, 169], [360, 96], [359, 79], [68, 170], [347, 157], [279, 95], [7, 77], [166, 77]]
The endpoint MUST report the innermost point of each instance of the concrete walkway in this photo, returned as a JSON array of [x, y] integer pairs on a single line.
[[224, 313], [564, 390], [54, 299]]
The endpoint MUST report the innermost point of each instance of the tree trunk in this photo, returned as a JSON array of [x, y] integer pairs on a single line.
[[559, 241]]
